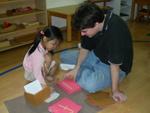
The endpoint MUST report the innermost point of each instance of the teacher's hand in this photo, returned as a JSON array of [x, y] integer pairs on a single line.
[[119, 96]]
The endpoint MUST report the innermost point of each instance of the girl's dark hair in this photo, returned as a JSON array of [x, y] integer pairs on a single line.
[[86, 15], [51, 32]]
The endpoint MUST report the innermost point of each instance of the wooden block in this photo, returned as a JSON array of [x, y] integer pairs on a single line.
[[100, 99], [4, 44], [9, 29], [3, 0]]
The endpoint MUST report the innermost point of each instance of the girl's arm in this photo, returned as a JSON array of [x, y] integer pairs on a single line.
[[45, 69], [53, 68]]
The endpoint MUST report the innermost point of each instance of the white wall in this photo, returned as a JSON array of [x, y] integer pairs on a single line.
[[116, 4], [58, 3]]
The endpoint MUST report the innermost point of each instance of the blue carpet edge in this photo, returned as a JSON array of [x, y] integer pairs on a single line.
[[20, 65]]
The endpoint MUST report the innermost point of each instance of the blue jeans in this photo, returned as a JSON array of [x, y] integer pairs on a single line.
[[69, 56], [93, 74]]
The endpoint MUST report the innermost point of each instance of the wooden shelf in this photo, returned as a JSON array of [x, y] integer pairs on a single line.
[[19, 32], [14, 46], [33, 12], [37, 14], [11, 1]]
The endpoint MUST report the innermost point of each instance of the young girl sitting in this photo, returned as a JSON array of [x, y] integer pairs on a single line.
[[45, 41]]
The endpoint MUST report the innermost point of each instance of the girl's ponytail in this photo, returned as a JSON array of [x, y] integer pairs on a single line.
[[35, 43]]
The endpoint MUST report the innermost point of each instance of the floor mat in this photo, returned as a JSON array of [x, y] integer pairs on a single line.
[[19, 105], [100, 99]]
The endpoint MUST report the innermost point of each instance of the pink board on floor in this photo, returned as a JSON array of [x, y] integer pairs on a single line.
[[69, 86], [65, 105]]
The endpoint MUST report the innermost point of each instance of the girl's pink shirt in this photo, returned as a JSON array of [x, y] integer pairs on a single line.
[[34, 63]]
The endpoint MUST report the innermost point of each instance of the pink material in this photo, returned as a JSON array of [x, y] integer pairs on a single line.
[[65, 105], [33, 63], [69, 86]]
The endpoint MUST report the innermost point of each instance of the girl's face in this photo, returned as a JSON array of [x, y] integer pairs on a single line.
[[50, 44]]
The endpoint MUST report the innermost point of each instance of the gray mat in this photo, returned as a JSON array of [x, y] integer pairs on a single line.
[[19, 105]]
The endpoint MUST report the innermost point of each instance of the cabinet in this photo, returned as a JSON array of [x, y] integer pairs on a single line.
[[19, 18], [125, 10], [122, 8]]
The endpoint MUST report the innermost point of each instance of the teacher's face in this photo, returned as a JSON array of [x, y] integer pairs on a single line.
[[90, 32]]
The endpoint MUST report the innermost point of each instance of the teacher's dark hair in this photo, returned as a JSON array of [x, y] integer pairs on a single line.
[[86, 15]]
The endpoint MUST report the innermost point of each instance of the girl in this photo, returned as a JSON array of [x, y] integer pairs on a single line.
[[46, 41]]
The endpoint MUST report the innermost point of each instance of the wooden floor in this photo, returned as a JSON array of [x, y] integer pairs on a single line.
[[136, 85]]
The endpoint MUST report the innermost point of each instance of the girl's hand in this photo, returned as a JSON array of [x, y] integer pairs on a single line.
[[71, 74]]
